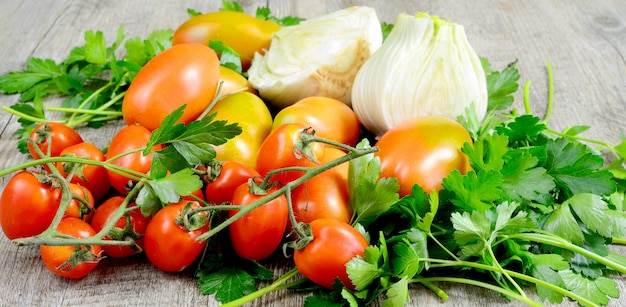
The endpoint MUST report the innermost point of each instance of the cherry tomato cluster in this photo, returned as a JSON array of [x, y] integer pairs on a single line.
[[254, 164]]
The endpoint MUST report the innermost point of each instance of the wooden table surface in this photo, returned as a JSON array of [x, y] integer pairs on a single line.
[[584, 40]]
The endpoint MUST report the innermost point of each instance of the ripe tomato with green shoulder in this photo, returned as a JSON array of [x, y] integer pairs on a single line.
[[324, 258], [69, 261], [132, 225], [331, 118], [423, 151], [128, 139], [243, 33], [184, 74], [170, 242], [258, 233], [253, 116], [28, 205]]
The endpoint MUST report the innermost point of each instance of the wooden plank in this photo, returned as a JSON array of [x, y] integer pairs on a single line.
[[585, 41]]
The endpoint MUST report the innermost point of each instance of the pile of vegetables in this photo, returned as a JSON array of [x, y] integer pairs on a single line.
[[231, 159]]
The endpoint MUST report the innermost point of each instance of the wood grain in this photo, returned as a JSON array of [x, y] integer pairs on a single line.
[[585, 41]]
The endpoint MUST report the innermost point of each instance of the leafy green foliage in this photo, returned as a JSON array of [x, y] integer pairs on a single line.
[[371, 195], [82, 79]]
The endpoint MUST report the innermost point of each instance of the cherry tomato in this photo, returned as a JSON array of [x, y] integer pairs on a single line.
[[252, 115], [324, 258], [72, 262], [241, 32], [122, 230], [93, 177], [331, 118], [27, 206], [185, 74], [224, 177], [257, 234], [60, 135], [277, 151], [82, 205], [125, 140], [233, 81], [423, 151], [323, 196], [170, 246]]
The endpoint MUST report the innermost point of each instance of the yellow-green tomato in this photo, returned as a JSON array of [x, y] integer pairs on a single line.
[[253, 116], [233, 81], [243, 33]]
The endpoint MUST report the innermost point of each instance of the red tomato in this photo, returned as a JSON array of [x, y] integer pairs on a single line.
[[27, 206], [324, 258], [323, 196], [93, 177], [57, 258], [277, 151], [121, 230], [82, 205], [127, 139], [241, 32], [170, 246], [60, 136], [331, 118], [183, 74], [257, 234], [423, 151], [224, 177]]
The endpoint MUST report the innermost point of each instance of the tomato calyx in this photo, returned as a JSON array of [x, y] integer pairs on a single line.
[[126, 234], [304, 236], [213, 170], [302, 148], [81, 254], [191, 218]]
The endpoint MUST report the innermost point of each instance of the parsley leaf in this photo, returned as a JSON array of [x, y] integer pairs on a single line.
[[577, 169], [596, 290], [371, 195], [188, 145], [501, 86]]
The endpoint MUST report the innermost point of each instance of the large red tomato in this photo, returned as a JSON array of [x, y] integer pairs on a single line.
[[132, 225], [185, 74], [324, 258], [224, 178], [258, 233], [72, 262], [27, 206], [93, 177], [170, 245], [423, 151], [125, 140], [57, 136], [323, 196], [277, 151]]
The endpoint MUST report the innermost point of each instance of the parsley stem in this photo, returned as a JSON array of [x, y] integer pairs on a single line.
[[478, 283], [550, 93], [527, 108], [84, 111], [276, 285], [26, 116], [554, 240], [460, 263]]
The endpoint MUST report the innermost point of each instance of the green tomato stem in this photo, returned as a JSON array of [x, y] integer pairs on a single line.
[[311, 172]]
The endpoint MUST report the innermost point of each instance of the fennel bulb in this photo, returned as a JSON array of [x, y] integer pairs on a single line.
[[318, 57], [426, 66]]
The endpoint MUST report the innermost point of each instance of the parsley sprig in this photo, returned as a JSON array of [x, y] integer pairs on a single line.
[[91, 80]]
